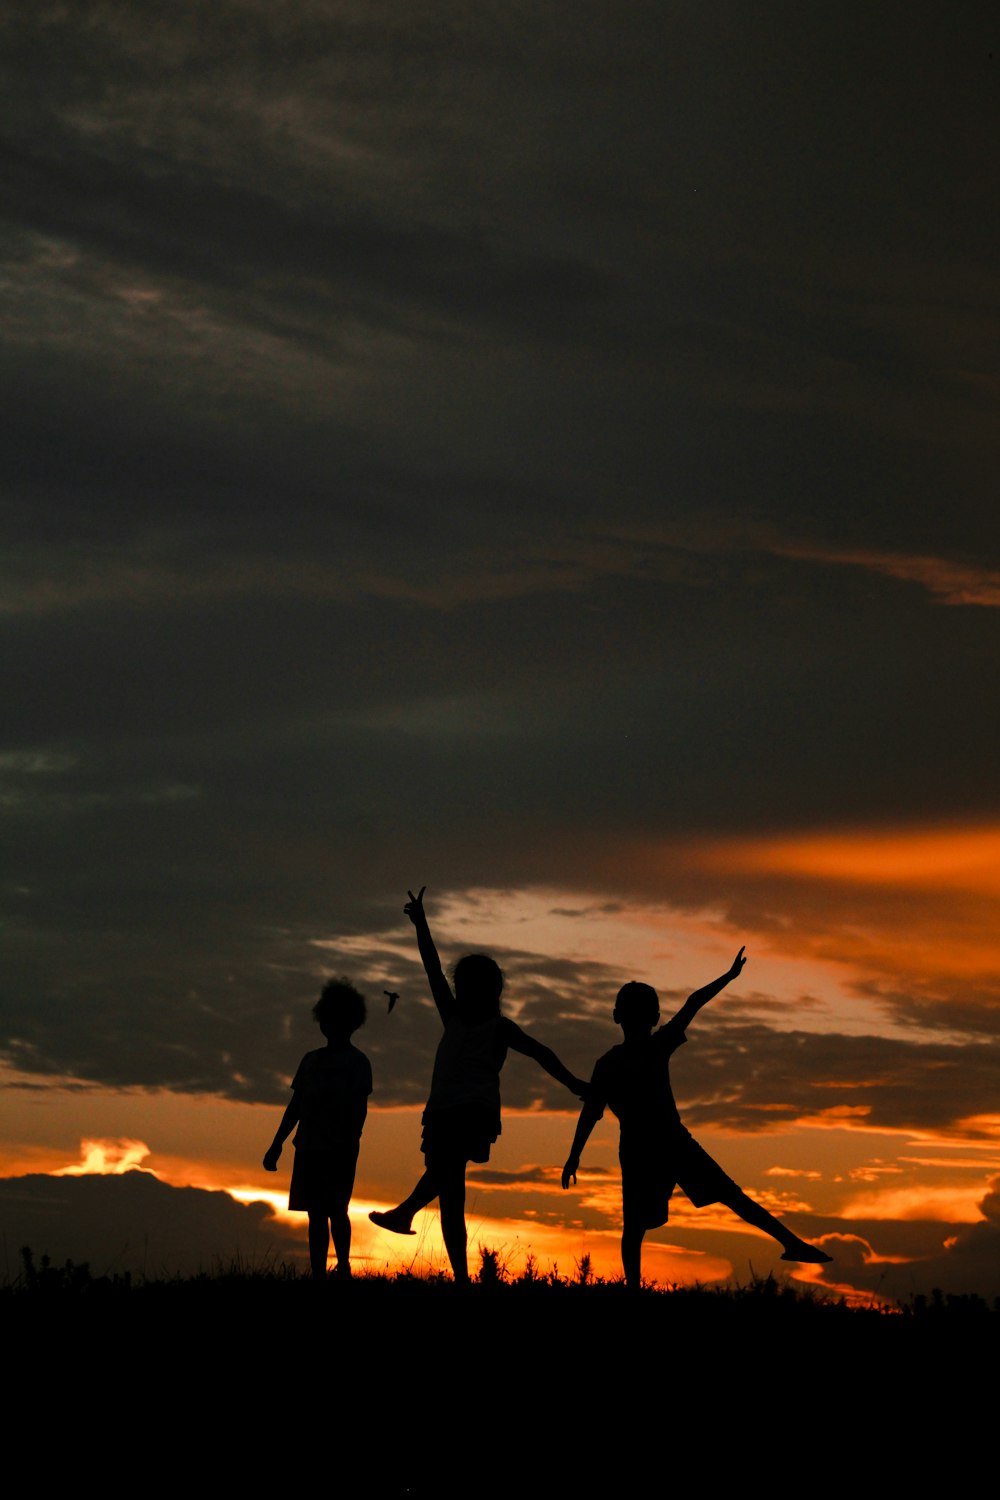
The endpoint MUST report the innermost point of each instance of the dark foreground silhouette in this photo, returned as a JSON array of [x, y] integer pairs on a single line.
[[462, 1118], [656, 1152], [241, 1383], [329, 1105]]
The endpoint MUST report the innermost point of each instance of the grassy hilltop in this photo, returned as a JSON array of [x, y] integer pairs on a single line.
[[408, 1386]]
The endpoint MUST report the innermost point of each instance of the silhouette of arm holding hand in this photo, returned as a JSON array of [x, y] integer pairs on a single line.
[[519, 1041], [440, 988]]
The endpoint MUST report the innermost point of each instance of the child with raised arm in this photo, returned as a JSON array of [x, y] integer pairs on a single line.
[[462, 1118], [656, 1152], [329, 1104]]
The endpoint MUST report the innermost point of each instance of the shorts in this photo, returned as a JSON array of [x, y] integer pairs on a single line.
[[649, 1176], [323, 1180], [465, 1132]]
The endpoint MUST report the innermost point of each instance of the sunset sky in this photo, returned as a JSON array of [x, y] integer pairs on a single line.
[[545, 454]]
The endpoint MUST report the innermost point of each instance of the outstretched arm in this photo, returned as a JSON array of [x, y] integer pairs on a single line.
[[520, 1041], [440, 988], [589, 1116], [289, 1120], [693, 1004]]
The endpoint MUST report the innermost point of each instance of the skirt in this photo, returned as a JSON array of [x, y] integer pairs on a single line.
[[465, 1131]]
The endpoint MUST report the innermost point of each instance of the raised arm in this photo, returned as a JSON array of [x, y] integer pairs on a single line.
[[693, 1004], [440, 988], [519, 1041]]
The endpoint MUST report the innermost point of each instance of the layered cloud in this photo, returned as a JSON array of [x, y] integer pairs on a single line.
[[526, 459], [961, 1262], [133, 1222]]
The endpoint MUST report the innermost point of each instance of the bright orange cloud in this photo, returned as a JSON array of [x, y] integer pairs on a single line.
[[949, 1205], [966, 859], [916, 905], [106, 1158]]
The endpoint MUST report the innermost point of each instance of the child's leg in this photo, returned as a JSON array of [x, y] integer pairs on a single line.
[[340, 1228], [632, 1237], [794, 1248], [647, 1186], [705, 1182], [319, 1243], [399, 1219], [450, 1178]]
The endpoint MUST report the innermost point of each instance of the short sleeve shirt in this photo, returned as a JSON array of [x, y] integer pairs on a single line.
[[332, 1084], [633, 1081]]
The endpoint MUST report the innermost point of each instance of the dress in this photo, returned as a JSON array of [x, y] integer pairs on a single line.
[[655, 1151], [462, 1118], [332, 1085]]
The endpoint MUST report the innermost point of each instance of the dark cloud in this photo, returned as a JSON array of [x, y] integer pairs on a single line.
[[133, 1222], [491, 1177], [752, 1077], [235, 1021], [968, 1260], [902, 1260], [457, 442]]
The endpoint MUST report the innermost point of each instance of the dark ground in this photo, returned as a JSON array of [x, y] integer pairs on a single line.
[[396, 1387]]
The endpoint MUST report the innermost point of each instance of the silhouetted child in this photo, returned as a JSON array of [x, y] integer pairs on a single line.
[[329, 1103], [462, 1118], [656, 1152]]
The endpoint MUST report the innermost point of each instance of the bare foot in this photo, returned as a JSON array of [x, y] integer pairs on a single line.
[[395, 1222], [807, 1254]]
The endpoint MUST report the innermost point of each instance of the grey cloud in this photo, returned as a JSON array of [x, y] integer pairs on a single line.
[[907, 1259], [490, 1177], [751, 1077], [118, 889], [968, 1261], [407, 414], [134, 1222], [604, 908], [948, 582], [218, 1021], [178, 226]]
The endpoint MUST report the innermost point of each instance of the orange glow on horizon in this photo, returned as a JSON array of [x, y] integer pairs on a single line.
[[551, 1247]]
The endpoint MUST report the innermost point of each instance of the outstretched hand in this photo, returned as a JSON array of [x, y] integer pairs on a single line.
[[414, 908], [569, 1172], [738, 963], [271, 1159]]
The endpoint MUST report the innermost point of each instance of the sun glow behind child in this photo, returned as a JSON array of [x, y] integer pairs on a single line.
[[862, 916]]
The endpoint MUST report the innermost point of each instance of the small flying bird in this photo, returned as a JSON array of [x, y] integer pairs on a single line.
[[393, 997]]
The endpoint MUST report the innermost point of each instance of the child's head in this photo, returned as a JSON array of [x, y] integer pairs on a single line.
[[637, 1005], [340, 1009], [478, 984]]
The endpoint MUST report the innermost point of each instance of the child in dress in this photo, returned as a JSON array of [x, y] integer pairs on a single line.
[[656, 1152], [329, 1104], [462, 1118]]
